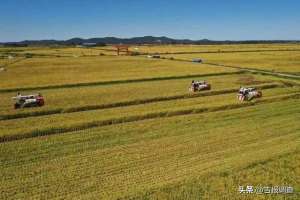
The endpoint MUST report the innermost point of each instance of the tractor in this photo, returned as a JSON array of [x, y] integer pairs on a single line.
[[199, 86], [247, 94], [25, 101]]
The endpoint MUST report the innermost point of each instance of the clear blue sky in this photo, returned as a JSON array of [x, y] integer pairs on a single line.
[[193, 19]]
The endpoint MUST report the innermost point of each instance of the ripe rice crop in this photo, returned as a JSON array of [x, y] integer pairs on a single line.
[[33, 72], [126, 127], [216, 48], [138, 158], [59, 123], [279, 61], [94, 95]]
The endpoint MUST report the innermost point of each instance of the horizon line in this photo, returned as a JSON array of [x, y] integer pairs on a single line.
[[132, 37]]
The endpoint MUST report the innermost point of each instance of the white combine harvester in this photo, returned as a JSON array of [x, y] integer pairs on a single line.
[[33, 100], [199, 86], [247, 94]]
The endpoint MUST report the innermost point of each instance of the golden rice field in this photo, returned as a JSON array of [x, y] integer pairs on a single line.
[[208, 48], [278, 61], [126, 127], [105, 94], [36, 71], [57, 51]]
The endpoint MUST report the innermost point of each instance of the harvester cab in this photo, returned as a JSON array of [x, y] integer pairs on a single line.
[[25, 101], [199, 86], [247, 94]]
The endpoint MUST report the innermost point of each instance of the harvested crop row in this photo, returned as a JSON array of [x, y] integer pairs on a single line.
[[70, 119], [109, 94], [132, 102], [61, 123]]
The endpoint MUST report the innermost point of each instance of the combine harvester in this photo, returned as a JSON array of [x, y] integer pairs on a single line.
[[247, 94], [33, 100], [199, 86]]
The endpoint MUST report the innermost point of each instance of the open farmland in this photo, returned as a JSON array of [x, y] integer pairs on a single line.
[[54, 52], [126, 127], [179, 49], [66, 52], [277, 61], [131, 91], [34, 72]]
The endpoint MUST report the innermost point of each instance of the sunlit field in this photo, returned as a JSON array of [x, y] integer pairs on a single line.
[[57, 71], [212, 48], [127, 127], [278, 61]]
